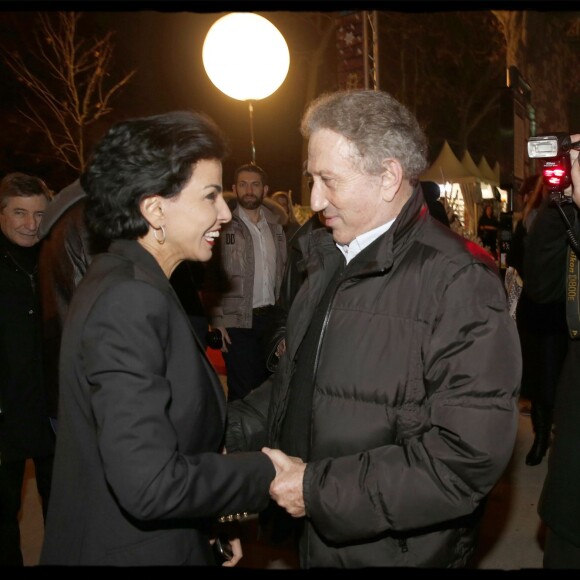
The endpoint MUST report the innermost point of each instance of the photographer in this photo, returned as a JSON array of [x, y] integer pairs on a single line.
[[547, 281]]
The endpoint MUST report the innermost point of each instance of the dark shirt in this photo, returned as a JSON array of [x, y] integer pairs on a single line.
[[488, 236]]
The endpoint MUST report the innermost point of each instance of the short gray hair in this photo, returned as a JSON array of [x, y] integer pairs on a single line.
[[376, 125]]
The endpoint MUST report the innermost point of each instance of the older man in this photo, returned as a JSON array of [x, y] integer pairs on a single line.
[[398, 388], [25, 431]]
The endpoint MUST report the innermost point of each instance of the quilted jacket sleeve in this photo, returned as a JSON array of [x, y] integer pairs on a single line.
[[247, 420]]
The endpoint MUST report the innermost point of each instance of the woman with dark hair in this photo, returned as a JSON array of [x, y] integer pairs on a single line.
[[140, 474]]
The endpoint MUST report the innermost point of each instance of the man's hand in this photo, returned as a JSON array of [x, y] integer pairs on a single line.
[[575, 161], [286, 488], [226, 338]]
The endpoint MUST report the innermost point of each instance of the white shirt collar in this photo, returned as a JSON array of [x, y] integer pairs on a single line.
[[361, 242]]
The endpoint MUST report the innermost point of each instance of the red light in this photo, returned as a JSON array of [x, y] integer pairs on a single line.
[[556, 173]]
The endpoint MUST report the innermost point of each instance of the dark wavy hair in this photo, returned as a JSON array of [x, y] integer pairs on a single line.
[[140, 157]]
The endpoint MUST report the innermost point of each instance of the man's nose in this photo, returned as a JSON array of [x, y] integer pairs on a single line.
[[317, 199], [32, 222]]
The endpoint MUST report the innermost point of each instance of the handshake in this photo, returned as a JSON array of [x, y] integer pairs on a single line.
[[286, 487]]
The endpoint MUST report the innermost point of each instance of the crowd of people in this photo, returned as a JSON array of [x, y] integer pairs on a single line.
[[369, 423]]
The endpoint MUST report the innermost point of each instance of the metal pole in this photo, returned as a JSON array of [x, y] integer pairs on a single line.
[[251, 111], [365, 48], [375, 37]]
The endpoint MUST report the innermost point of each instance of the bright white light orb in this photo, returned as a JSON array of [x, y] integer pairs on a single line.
[[245, 56]]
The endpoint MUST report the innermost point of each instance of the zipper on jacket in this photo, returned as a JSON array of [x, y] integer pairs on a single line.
[[403, 545], [325, 322], [342, 278]]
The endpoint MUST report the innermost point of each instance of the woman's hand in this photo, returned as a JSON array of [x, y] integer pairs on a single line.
[[226, 338], [233, 547], [236, 545]]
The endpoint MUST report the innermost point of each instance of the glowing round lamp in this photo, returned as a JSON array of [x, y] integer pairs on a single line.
[[245, 56]]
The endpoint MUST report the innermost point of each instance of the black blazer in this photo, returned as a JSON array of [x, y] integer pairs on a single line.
[[138, 474]]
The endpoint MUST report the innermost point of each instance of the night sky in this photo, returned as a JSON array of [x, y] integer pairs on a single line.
[[165, 48], [163, 42]]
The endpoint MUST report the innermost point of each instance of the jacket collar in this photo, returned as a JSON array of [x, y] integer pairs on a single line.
[[380, 254], [150, 268], [135, 252]]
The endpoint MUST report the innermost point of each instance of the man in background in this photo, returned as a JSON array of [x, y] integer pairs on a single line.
[[243, 281], [551, 267], [25, 431]]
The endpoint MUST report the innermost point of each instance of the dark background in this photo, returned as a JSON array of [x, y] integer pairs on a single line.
[[163, 42], [165, 49]]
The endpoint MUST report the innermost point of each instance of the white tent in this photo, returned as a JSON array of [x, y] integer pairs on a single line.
[[487, 171], [446, 168], [496, 171], [471, 167]]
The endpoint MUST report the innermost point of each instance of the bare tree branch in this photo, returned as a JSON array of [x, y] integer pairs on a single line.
[[69, 78]]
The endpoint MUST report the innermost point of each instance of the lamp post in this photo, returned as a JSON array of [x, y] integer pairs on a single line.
[[246, 57]]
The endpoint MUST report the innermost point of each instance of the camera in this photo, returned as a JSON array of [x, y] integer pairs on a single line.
[[554, 151]]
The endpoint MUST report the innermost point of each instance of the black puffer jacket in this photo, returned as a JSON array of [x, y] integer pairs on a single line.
[[414, 410]]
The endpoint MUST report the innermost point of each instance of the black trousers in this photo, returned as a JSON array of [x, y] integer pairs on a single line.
[[11, 480], [246, 360], [560, 553]]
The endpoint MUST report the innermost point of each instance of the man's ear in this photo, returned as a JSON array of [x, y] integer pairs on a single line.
[[391, 179], [266, 188], [152, 210]]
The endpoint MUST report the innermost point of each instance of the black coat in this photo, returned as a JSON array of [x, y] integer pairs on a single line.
[[24, 425], [138, 474], [541, 327], [559, 505]]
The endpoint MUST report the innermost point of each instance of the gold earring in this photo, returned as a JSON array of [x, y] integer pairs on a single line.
[[161, 240]]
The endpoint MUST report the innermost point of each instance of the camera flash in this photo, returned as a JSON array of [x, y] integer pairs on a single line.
[[539, 147]]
